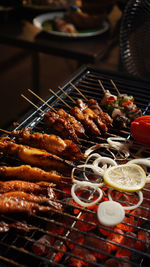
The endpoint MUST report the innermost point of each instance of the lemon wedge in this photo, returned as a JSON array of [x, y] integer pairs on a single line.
[[125, 177]]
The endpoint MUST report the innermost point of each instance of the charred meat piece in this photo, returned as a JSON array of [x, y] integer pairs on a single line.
[[93, 104], [33, 188], [5, 227], [28, 173], [49, 142], [8, 205], [61, 125], [92, 115], [23, 196], [88, 123], [34, 156], [73, 123]]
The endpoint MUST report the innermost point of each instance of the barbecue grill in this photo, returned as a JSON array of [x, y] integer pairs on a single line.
[[74, 237]]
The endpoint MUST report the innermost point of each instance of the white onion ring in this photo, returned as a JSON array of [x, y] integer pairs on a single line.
[[105, 160], [112, 141], [144, 162], [140, 194], [141, 161], [95, 155], [96, 171], [91, 149], [82, 203]]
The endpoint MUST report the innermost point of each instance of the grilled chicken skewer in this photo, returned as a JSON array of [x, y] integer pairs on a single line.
[[83, 115], [56, 122], [33, 174], [86, 120], [93, 105], [29, 187], [90, 114], [19, 195], [49, 142], [61, 121], [10, 205], [34, 156], [23, 196]]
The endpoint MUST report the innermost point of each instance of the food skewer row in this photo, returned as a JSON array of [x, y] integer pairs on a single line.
[[92, 122], [34, 156], [94, 106], [122, 108], [62, 122], [49, 142], [32, 174]]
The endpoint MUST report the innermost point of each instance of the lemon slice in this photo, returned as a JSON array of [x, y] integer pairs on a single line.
[[126, 177]]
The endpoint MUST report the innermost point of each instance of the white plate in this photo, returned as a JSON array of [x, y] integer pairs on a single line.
[[39, 20]]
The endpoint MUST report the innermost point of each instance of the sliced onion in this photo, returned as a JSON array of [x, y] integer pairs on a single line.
[[144, 162], [141, 161], [97, 171], [110, 213], [94, 155], [123, 147], [104, 160], [79, 201], [91, 149], [148, 178], [140, 194]]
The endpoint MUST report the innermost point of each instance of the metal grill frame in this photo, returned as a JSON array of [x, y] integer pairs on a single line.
[[86, 80]]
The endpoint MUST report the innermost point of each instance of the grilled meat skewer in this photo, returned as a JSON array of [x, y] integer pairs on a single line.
[[91, 115], [88, 123], [8, 205], [93, 104], [28, 173], [5, 227], [77, 125], [65, 124], [122, 108], [23, 196], [49, 142], [54, 121], [29, 187], [34, 156], [19, 195]]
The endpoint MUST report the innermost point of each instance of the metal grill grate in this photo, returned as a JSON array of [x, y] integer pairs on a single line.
[[73, 237]]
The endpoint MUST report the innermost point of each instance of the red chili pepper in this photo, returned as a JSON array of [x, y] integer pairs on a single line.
[[140, 129], [126, 103], [111, 99]]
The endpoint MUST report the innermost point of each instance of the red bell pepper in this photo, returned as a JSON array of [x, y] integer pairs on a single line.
[[140, 129]]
